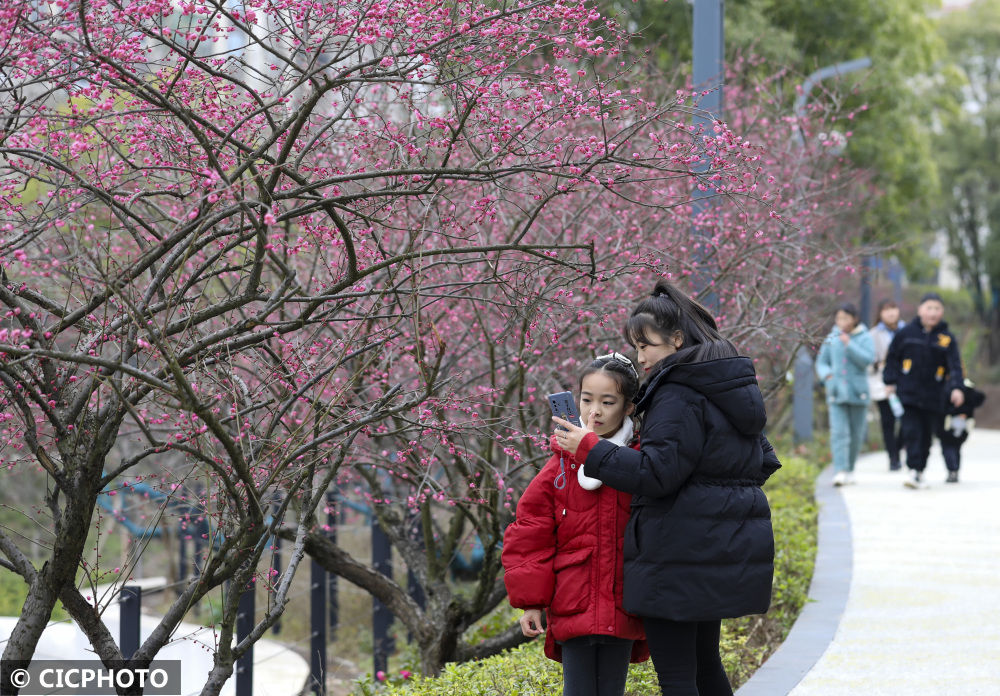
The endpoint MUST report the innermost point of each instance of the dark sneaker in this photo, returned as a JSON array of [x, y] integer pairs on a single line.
[[895, 466], [952, 477]]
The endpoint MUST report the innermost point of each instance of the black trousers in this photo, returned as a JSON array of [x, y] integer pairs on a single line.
[[686, 657], [595, 665], [951, 449], [919, 426], [890, 431]]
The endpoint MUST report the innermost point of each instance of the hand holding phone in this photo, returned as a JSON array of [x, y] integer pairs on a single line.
[[563, 406]]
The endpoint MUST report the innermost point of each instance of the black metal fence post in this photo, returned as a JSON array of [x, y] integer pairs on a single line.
[[868, 266], [182, 563], [802, 396], [332, 595], [381, 616], [199, 529], [275, 567], [896, 275], [413, 585], [129, 618], [317, 623], [244, 625]]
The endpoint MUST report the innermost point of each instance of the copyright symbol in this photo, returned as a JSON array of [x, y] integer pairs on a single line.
[[19, 678]]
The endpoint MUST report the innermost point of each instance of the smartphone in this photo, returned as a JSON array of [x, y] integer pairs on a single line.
[[563, 405]]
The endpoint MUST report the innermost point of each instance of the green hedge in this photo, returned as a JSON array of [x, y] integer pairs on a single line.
[[13, 592], [746, 642]]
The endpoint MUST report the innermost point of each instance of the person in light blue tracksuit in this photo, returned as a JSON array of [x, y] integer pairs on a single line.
[[842, 366]]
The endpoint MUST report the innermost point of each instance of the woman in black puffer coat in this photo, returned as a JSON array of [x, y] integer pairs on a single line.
[[699, 546]]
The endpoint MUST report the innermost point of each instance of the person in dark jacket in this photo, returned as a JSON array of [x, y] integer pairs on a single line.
[[563, 553], [887, 323], [957, 424], [924, 369], [699, 546]]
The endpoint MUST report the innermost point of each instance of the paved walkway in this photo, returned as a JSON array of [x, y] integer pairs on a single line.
[[906, 595]]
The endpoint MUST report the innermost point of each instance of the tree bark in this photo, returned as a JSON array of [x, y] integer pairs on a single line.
[[59, 571], [510, 638], [437, 629]]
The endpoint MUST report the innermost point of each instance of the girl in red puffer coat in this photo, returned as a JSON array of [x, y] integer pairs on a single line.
[[563, 553]]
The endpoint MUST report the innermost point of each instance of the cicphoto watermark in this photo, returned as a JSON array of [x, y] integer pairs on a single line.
[[88, 677]]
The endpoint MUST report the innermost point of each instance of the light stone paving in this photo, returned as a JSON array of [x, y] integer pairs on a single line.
[[923, 613]]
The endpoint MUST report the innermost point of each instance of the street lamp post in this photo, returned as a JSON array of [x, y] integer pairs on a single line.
[[868, 262], [802, 392], [708, 63], [708, 58], [815, 78]]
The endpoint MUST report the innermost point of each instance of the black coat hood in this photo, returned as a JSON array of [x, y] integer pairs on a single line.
[[729, 383]]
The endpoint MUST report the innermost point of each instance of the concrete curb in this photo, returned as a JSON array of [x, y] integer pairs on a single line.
[[816, 626]]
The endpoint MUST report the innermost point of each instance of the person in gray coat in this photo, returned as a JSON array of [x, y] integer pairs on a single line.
[[842, 366]]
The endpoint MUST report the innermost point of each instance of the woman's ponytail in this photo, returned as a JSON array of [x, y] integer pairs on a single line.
[[668, 311]]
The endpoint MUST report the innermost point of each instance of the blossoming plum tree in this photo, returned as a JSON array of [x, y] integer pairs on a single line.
[[251, 252], [444, 477]]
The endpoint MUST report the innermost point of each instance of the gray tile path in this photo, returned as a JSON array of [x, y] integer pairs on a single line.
[[920, 571]]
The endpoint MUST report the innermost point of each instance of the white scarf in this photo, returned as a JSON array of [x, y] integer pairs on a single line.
[[620, 438]]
